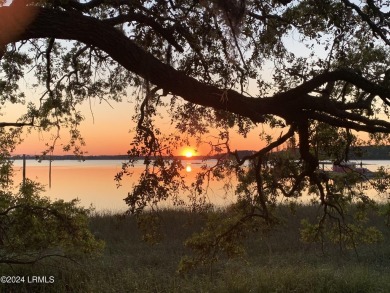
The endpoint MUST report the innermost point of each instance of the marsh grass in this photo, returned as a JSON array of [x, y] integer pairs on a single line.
[[277, 262]]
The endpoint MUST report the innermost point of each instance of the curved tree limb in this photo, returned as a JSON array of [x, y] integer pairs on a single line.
[[75, 26]]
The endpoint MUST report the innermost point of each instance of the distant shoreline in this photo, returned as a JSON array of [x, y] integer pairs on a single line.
[[103, 157], [361, 153]]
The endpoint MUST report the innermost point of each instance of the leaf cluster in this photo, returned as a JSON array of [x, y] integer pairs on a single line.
[[34, 227]]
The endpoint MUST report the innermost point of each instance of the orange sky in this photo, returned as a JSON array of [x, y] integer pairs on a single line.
[[109, 132]]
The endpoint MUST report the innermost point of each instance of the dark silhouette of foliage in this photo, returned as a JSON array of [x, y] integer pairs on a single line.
[[197, 60]]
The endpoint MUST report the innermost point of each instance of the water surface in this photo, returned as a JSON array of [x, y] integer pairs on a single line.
[[92, 181]]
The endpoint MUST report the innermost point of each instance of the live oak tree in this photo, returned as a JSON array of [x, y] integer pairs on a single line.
[[315, 72]]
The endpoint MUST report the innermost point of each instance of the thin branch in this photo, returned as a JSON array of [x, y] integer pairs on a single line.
[[31, 261], [48, 63], [376, 30], [167, 34], [282, 139], [16, 124]]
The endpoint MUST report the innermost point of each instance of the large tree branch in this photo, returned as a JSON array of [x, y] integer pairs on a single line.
[[49, 23], [340, 122], [74, 26], [337, 75]]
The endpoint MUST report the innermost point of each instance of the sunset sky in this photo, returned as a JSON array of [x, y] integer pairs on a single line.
[[109, 132], [108, 129]]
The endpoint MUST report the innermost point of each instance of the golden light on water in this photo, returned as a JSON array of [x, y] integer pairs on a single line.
[[188, 168]]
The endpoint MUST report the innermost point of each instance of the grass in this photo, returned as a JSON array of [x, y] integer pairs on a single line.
[[279, 262]]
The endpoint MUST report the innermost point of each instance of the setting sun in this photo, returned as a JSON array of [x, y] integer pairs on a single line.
[[188, 152]]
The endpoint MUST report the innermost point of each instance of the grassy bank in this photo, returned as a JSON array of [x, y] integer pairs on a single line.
[[278, 262]]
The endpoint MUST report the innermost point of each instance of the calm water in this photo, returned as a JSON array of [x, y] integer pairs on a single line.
[[92, 181]]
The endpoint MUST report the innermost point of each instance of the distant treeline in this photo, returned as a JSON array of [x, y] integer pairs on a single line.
[[121, 157], [102, 157], [355, 153], [72, 157], [360, 153], [370, 153]]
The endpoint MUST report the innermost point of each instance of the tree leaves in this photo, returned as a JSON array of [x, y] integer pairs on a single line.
[[209, 53], [34, 227]]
